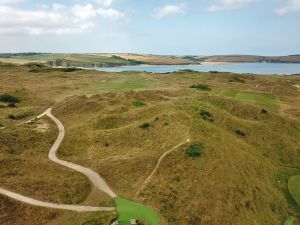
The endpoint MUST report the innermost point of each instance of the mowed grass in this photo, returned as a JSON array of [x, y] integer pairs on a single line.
[[128, 210], [294, 188], [265, 100], [127, 82]]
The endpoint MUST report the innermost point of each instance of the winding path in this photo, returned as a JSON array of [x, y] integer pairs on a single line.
[[162, 157], [94, 177], [34, 202]]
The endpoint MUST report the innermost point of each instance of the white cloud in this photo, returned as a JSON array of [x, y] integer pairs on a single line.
[[229, 4], [105, 2], [111, 14], [53, 19], [56, 6], [10, 1], [292, 7], [84, 11], [169, 10]]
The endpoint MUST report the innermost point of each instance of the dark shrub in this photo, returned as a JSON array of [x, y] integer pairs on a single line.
[[9, 98], [138, 104], [1, 125], [237, 79], [19, 117], [145, 125], [35, 65], [207, 116], [202, 87], [194, 150], [67, 70], [12, 105], [240, 133], [263, 111], [12, 116]]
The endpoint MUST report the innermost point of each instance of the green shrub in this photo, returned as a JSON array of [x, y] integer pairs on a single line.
[[18, 117], [194, 150], [201, 87], [12, 116], [138, 104], [207, 116], [240, 133], [67, 70], [145, 125], [237, 79], [1, 125], [12, 105], [263, 111], [9, 98]]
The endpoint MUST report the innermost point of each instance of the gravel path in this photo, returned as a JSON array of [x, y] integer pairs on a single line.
[[94, 177]]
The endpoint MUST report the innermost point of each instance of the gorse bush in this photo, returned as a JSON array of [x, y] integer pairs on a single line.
[[263, 111], [12, 116], [145, 125], [207, 116], [201, 87], [12, 105], [18, 117], [138, 104], [237, 79], [194, 150], [9, 98], [240, 133]]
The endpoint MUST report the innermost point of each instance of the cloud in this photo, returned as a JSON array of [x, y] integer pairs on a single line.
[[55, 19], [111, 14], [292, 7], [84, 11], [169, 10], [2, 2], [229, 5], [105, 2]]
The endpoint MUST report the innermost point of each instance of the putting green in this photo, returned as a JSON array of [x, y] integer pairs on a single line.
[[128, 210]]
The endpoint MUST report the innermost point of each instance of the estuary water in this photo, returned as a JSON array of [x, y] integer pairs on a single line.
[[254, 68]]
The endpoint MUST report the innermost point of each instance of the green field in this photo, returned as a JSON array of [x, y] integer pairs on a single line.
[[126, 82], [265, 100], [128, 210]]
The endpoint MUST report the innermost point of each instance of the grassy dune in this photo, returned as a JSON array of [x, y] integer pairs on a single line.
[[250, 144]]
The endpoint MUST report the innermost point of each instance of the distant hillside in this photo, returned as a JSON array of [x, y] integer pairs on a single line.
[[254, 58], [129, 59]]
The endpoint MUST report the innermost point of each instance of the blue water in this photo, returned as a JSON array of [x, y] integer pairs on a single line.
[[254, 68]]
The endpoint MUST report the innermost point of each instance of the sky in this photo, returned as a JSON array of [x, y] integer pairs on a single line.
[[175, 27]]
